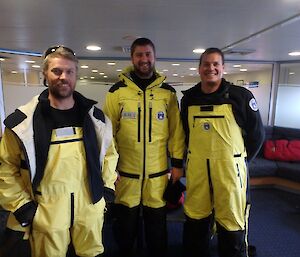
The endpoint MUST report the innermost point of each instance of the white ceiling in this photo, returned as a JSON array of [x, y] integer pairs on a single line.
[[269, 28]]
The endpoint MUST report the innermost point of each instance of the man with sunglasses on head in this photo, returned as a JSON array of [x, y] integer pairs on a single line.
[[146, 122], [58, 164]]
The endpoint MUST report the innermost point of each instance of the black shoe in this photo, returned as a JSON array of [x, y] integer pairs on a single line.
[[251, 250]]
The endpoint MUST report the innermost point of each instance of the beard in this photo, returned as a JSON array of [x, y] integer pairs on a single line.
[[59, 91], [144, 71]]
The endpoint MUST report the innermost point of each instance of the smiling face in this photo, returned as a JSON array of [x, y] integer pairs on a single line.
[[143, 60], [211, 72], [61, 78]]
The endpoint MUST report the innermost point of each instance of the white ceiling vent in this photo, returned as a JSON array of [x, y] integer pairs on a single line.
[[126, 49], [238, 51]]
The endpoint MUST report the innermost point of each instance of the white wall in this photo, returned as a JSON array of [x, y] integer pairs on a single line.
[[288, 107], [15, 96]]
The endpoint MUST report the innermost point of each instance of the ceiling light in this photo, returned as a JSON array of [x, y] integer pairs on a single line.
[[198, 50], [92, 77], [243, 69], [175, 75], [111, 63], [236, 66], [294, 53], [14, 72], [192, 68], [291, 73], [118, 70], [36, 66], [101, 73], [2, 59], [29, 61], [175, 64], [93, 48], [165, 70], [84, 66], [225, 72], [95, 71], [105, 76]]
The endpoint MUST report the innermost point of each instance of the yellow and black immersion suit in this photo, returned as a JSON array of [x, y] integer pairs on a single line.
[[147, 125], [56, 166], [222, 129]]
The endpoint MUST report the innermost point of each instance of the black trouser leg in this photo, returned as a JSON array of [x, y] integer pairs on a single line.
[[14, 245], [125, 228], [196, 235], [231, 243], [155, 223]]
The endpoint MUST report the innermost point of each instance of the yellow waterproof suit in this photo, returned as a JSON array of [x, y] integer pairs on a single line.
[[54, 180], [223, 132], [148, 129], [146, 124]]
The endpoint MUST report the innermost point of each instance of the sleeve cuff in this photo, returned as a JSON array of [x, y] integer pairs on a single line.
[[109, 195], [177, 163], [25, 213]]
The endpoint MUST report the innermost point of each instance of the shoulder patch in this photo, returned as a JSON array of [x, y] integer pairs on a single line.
[[253, 104], [168, 87], [117, 86], [98, 114], [14, 119]]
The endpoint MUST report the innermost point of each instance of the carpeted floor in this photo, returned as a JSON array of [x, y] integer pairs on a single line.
[[274, 226]]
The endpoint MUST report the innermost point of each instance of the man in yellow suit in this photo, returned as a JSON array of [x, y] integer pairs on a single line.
[[58, 164], [147, 127], [223, 132]]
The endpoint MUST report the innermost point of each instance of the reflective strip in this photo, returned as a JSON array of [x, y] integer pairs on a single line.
[[66, 141], [155, 175], [136, 176], [128, 175]]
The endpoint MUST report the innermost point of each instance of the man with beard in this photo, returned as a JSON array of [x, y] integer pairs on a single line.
[[223, 132], [57, 170], [146, 123]]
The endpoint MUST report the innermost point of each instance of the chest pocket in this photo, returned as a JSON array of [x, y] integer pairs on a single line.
[[158, 117], [212, 128], [131, 109], [67, 147]]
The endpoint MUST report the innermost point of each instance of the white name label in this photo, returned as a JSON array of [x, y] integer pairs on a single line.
[[64, 132]]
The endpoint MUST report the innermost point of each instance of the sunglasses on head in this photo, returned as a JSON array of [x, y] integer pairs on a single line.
[[52, 49]]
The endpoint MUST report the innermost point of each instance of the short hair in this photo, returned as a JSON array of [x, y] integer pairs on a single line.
[[142, 41], [212, 50], [59, 51]]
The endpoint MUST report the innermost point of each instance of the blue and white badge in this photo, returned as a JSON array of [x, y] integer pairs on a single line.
[[206, 126], [160, 115], [253, 104]]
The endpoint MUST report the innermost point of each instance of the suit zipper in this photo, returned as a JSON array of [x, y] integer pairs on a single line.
[[239, 175], [207, 117], [144, 139], [72, 209], [139, 122], [150, 121]]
